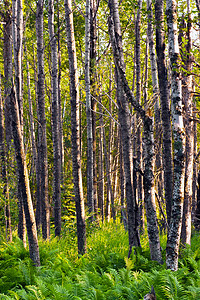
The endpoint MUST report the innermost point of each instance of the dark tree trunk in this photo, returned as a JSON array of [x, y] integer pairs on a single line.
[[165, 106], [23, 178], [55, 123], [75, 127], [43, 202], [124, 119]]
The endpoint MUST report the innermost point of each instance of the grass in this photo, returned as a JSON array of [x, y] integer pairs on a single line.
[[104, 272]]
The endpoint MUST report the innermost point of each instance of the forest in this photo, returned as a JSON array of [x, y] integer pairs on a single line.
[[99, 149]]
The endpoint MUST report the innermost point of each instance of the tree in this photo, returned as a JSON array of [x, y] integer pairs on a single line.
[[90, 159], [43, 209], [165, 106], [23, 178], [189, 146], [56, 124], [75, 135], [17, 33], [173, 239]]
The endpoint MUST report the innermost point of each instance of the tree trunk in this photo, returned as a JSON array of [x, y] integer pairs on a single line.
[[75, 127], [17, 33], [90, 160], [124, 119], [56, 123], [165, 107], [23, 178], [101, 160], [173, 239], [42, 142], [140, 187], [157, 119], [93, 78], [189, 147]]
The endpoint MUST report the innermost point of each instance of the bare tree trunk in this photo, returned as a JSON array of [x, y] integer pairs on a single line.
[[17, 33], [189, 147], [23, 179], [90, 160], [32, 126], [56, 123], [116, 39], [75, 127], [173, 239], [157, 118], [42, 142], [93, 78], [140, 187], [101, 160], [165, 107], [59, 96], [124, 118]]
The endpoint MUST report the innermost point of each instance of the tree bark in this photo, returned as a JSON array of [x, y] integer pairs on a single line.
[[173, 239], [140, 187], [42, 142], [124, 119], [90, 160], [23, 178], [93, 78], [75, 127], [165, 107], [157, 118], [17, 33], [56, 123], [189, 147]]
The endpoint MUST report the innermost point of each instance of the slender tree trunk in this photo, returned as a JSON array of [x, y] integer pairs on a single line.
[[56, 123], [173, 239], [59, 96], [157, 118], [93, 78], [42, 142], [101, 160], [189, 147], [23, 179], [140, 188], [32, 127], [90, 160], [124, 118], [165, 106], [75, 127], [17, 33]]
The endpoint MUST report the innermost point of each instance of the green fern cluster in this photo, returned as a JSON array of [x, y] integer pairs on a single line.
[[104, 273]]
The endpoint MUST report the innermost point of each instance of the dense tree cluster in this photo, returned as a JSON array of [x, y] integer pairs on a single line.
[[99, 103]]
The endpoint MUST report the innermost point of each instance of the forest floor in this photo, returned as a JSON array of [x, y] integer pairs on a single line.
[[103, 273]]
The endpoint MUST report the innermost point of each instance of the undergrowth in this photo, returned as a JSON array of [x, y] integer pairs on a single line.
[[103, 273]]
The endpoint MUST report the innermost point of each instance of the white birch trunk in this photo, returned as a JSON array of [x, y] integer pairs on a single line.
[[173, 239]]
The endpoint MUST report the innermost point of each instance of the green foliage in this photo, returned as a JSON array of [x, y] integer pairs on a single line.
[[103, 273]]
